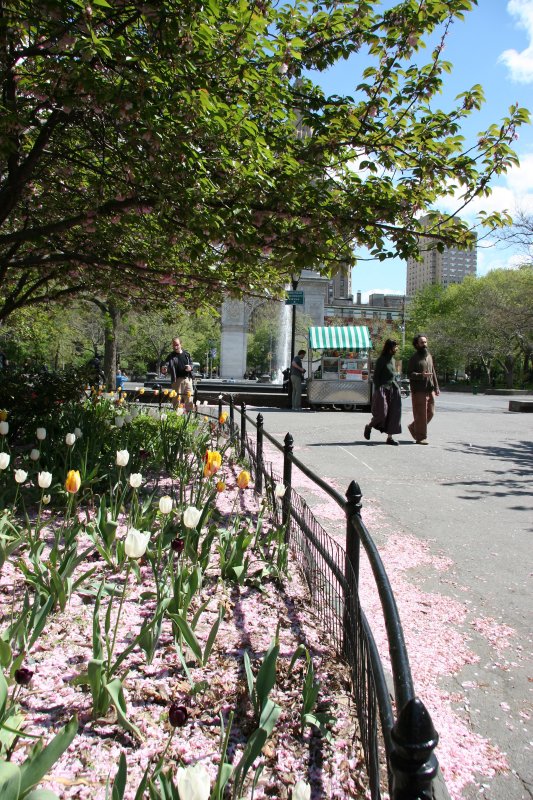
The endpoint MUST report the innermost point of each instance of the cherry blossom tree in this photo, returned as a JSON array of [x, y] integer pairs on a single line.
[[154, 148]]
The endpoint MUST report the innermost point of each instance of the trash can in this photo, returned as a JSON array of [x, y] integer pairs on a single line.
[[474, 389]]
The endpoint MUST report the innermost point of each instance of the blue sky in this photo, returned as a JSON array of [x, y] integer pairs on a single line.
[[493, 46]]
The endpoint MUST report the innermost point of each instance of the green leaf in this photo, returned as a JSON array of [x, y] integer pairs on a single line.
[[3, 694], [9, 781], [114, 689], [119, 784], [188, 635], [266, 677], [35, 768], [41, 794], [212, 636]]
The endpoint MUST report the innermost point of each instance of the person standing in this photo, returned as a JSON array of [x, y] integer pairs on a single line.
[[424, 388], [297, 374], [178, 364], [386, 398]]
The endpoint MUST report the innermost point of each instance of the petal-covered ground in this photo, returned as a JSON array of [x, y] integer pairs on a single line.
[[436, 629], [251, 617]]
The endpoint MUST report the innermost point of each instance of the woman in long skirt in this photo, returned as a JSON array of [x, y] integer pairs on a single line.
[[386, 398]]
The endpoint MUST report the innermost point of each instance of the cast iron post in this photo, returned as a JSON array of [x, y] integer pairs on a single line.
[[231, 419], [243, 430], [413, 762], [219, 407], [287, 480], [259, 456], [351, 566], [159, 394]]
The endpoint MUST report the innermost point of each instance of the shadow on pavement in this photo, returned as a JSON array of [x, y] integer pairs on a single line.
[[514, 478]]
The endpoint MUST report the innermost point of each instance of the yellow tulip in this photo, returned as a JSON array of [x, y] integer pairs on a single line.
[[73, 481], [243, 479], [223, 417], [141, 390], [3, 415], [172, 393], [213, 461], [221, 486]]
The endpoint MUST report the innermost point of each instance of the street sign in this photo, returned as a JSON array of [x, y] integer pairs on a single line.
[[294, 298]]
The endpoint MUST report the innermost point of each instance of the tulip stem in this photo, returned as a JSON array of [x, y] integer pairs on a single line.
[[123, 595]]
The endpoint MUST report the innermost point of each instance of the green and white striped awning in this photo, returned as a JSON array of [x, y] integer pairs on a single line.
[[347, 337]]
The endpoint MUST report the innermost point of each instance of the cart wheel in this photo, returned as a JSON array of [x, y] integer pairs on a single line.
[[313, 406], [348, 407]]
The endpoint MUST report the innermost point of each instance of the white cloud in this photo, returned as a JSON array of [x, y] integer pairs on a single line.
[[515, 191], [520, 65]]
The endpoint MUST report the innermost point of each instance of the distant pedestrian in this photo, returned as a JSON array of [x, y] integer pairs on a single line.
[[424, 388], [386, 397], [178, 364], [297, 374]]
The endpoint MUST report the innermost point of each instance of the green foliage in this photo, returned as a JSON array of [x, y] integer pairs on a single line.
[[484, 322], [30, 394], [254, 177]]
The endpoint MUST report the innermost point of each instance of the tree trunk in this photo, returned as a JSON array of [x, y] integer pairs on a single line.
[[110, 346], [509, 371]]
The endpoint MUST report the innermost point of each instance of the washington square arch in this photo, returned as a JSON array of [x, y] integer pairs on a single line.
[[236, 316]]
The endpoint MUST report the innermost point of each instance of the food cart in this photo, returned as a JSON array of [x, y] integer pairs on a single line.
[[339, 367]]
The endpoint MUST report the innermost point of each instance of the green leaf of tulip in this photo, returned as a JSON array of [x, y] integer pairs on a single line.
[[114, 688], [9, 781], [35, 768]]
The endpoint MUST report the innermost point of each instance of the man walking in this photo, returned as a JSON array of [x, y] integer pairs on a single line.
[[297, 374], [424, 387], [179, 365]]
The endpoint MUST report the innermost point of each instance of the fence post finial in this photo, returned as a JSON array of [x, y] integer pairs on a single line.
[[413, 762]]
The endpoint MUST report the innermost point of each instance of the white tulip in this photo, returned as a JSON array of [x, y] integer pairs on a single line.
[[4, 460], [119, 422], [128, 418], [122, 458], [44, 479], [163, 417], [135, 543], [191, 517], [35, 454], [77, 433], [205, 403], [165, 504], [4, 428], [134, 412], [180, 410], [46, 499], [280, 490], [193, 783], [70, 439], [41, 434], [135, 480], [20, 475], [301, 791]]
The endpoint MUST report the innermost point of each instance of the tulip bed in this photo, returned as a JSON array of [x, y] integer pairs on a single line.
[[154, 639]]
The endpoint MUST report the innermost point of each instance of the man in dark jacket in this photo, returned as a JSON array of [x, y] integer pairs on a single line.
[[424, 387], [179, 366]]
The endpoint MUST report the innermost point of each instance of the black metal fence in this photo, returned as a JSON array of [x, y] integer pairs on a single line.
[[397, 734]]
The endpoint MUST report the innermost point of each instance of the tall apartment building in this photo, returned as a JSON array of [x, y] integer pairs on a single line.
[[450, 266]]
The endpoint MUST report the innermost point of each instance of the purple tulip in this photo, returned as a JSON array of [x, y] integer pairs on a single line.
[[23, 676], [177, 715]]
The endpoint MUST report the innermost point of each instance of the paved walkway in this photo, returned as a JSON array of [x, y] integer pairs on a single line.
[[470, 496]]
